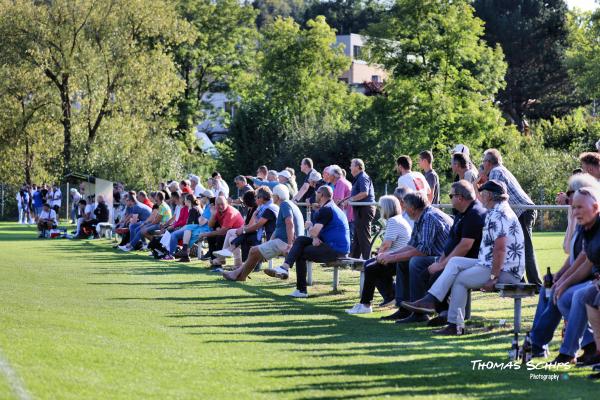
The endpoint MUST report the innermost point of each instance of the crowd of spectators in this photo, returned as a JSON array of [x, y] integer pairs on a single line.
[[426, 263]]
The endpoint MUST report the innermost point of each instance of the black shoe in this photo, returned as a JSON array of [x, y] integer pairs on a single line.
[[206, 257], [387, 303], [421, 306], [564, 359], [413, 318], [440, 320], [185, 258], [594, 377], [596, 368], [588, 360], [400, 314]]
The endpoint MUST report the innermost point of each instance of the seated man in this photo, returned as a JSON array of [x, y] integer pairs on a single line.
[[464, 239], [223, 219], [100, 214], [501, 260], [569, 292], [288, 226], [161, 213], [427, 240], [200, 212], [136, 214], [329, 238], [271, 182], [47, 220]]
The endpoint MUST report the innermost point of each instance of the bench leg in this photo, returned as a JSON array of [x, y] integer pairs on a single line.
[[517, 321], [468, 307], [361, 282], [336, 278], [309, 278]]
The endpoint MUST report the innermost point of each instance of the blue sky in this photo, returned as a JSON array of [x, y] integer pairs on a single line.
[[583, 4]]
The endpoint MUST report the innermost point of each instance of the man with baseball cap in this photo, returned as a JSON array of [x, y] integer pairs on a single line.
[[284, 178], [501, 260]]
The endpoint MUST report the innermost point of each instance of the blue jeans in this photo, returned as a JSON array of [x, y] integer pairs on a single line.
[[546, 320], [419, 276], [175, 238], [133, 230], [139, 232], [572, 308]]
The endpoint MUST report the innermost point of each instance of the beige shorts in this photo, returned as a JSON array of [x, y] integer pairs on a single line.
[[272, 249]]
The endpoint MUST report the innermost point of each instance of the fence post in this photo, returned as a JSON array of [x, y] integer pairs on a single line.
[[541, 211]]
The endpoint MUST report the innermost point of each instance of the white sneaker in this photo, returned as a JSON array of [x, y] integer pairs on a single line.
[[145, 246], [360, 309], [124, 248], [278, 272], [298, 294], [225, 253]]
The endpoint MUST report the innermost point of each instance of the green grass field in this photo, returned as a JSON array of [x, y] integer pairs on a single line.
[[79, 320]]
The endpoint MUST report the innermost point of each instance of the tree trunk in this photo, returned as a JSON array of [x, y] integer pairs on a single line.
[[66, 122], [27, 161]]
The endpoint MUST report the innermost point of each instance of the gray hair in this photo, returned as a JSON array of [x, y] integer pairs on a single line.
[[173, 186], [416, 200], [325, 191], [336, 170], [358, 163], [390, 206], [272, 172], [402, 191], [240, 178], [494, 156], [582, 180], [465, 189], [282, 192]]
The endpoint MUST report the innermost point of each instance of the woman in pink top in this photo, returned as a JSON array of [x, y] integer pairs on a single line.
[[341, 192]]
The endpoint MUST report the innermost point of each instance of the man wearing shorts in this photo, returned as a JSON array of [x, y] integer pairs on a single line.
[[288, 226]]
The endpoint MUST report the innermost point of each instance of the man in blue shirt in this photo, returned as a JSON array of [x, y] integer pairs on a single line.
[[329, 238], [363, 191]]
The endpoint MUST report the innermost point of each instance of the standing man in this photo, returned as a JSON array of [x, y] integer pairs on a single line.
[[412, 180], [363, 191], [493, 168], [305, 191], [56, 199], [433, 180]]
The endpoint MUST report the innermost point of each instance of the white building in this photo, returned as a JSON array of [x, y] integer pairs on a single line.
[[360, 70]]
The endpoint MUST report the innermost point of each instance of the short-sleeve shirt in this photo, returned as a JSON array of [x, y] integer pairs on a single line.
[[37, 199], [501, 221], [142, 212], [398, 231], [433, 180], [288, 209], [415, 181], [311, 190], [193, 216], [51, 215], [431, 231], [363, 183], [342, 191], [271, 218], [230, 218], [165, 212], [591, 245], [467, 225]]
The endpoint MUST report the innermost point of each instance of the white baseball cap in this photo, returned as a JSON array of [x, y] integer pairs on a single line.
[[286, 174], [461, 148]]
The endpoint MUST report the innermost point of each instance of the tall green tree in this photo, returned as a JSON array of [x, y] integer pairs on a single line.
[[583, 57], [443, 80], [347, 16], [298, 100], [534, 37], [220, 57], [270, 10], [102, 58]]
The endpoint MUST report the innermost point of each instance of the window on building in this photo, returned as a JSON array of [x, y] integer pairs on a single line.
[[229, 108], [356, 52], [375, 78]]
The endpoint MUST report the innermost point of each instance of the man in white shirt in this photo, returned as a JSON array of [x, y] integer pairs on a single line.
[[221, 187], [56, 199], [47, 220], [411, 179], [196, 186]]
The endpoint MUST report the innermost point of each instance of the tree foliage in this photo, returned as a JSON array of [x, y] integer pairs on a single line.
[[347, 16], [443, 79], [534, 37]]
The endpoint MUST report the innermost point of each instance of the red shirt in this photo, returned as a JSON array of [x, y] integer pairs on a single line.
[[148, 203], [230, 218], [187, 189], [183, 217]]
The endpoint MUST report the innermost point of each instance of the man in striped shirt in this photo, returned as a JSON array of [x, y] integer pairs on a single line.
[[493, 168]]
